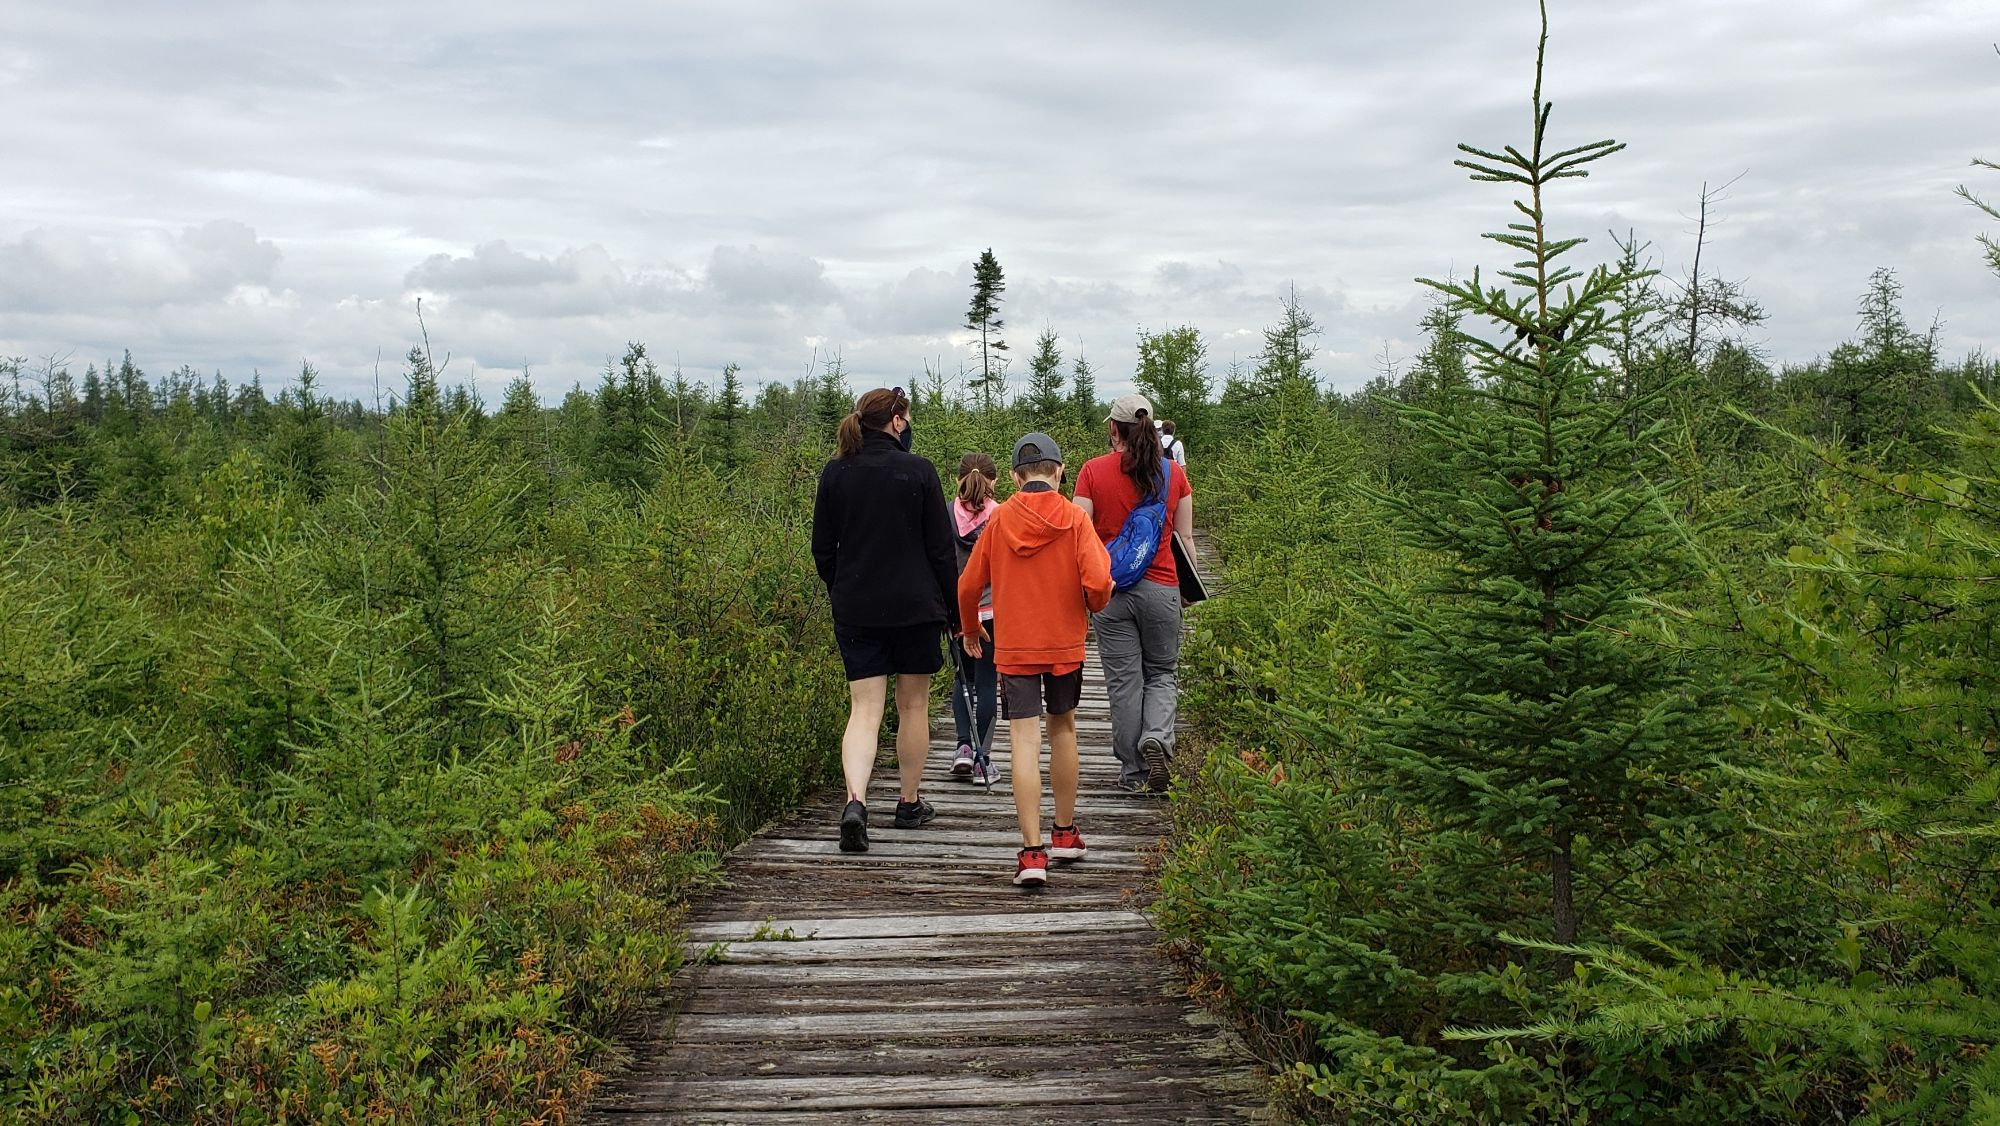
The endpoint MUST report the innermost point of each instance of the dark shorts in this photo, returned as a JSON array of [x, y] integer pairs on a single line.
[[881, 652], [1022, 697]]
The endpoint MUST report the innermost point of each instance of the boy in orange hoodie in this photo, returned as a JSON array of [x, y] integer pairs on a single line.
[[1049, 573]]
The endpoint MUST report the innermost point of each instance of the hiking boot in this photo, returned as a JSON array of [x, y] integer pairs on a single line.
[[1135, 786], [1066, 844], [1155, 754], [910, 814], [961, 764], [854, 828], [1031, 867]]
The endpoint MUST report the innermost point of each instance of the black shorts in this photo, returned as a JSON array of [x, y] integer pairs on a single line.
[[1022, 697], [870, 652]]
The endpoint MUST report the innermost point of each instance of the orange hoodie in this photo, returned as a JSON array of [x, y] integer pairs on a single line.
[[1049, 571]]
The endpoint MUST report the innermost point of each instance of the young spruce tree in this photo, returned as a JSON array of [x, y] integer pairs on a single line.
[[437, 532], [1046, 398], [725, 420], [1527, 713], [983, 317], [1083, 393]]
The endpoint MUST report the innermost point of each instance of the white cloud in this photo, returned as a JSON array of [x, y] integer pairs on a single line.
[[76, 271]]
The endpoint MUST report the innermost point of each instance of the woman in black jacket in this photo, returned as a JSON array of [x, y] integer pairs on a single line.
[[883, 544]]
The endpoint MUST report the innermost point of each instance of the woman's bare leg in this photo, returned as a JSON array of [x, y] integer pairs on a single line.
[[913, 730], [864, 728]]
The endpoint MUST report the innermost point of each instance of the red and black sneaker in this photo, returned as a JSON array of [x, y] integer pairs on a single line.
[[1031, 867], [1065, 843]]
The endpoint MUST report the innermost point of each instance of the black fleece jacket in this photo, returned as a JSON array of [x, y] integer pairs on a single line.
[[882, 539]]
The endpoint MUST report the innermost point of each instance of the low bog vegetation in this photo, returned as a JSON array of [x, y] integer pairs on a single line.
[[354, 765]]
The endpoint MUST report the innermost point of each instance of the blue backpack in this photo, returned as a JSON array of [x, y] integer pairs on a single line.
[[1138, 541]]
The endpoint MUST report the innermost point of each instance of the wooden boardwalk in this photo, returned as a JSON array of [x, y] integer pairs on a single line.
[[916, 984]]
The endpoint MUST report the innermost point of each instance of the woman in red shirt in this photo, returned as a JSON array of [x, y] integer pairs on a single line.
[[1139, 633]]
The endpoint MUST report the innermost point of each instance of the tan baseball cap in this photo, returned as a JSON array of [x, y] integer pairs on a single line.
[[1128, 408]]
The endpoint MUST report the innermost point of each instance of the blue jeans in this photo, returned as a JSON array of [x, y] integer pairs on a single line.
[[984, 687]]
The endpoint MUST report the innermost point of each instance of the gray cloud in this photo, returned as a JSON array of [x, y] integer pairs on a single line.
[[579, 281], [741, 181], [922, 303], [745, 275]]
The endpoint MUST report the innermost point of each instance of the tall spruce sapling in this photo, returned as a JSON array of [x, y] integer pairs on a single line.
[[302, 439], [1046, 397], [1083, 393], [524, 435], [1288, 351], [983, 317], [632, 404], [439, 524], [1526, 709], [725, 419], [831, 399]]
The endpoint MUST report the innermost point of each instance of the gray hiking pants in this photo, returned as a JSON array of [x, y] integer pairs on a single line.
[[1139, 642]]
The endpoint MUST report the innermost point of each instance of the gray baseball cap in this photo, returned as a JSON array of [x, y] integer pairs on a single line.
[[1048, 451]]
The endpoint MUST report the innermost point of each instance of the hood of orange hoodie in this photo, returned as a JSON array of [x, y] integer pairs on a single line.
[[1036, 520]]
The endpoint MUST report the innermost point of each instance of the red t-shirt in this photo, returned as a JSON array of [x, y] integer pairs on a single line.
[[1112, 498]]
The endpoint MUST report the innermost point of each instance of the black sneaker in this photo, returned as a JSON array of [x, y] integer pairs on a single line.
[[1155, 754], [910, 814], [1134, 786], [854, 828]]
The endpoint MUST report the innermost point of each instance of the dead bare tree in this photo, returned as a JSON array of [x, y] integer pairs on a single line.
[[1717, 299]]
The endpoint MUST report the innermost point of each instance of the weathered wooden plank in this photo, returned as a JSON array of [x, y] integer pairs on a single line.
[[902, 926], [961, 797], [1052, 1114], [859, 949], [918, 1005], [719, 1029], [881, 851], [787, 881], [1071, 892], [871, 1092], [1116, 1048], [979, 965], [947, 831], [964, 860]]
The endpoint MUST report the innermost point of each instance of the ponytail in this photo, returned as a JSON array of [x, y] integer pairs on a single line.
[[872, 411], [849, 435], [976, 477], [1141, 459]]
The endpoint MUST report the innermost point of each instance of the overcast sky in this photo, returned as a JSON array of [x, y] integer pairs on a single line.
[[243, 186]]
